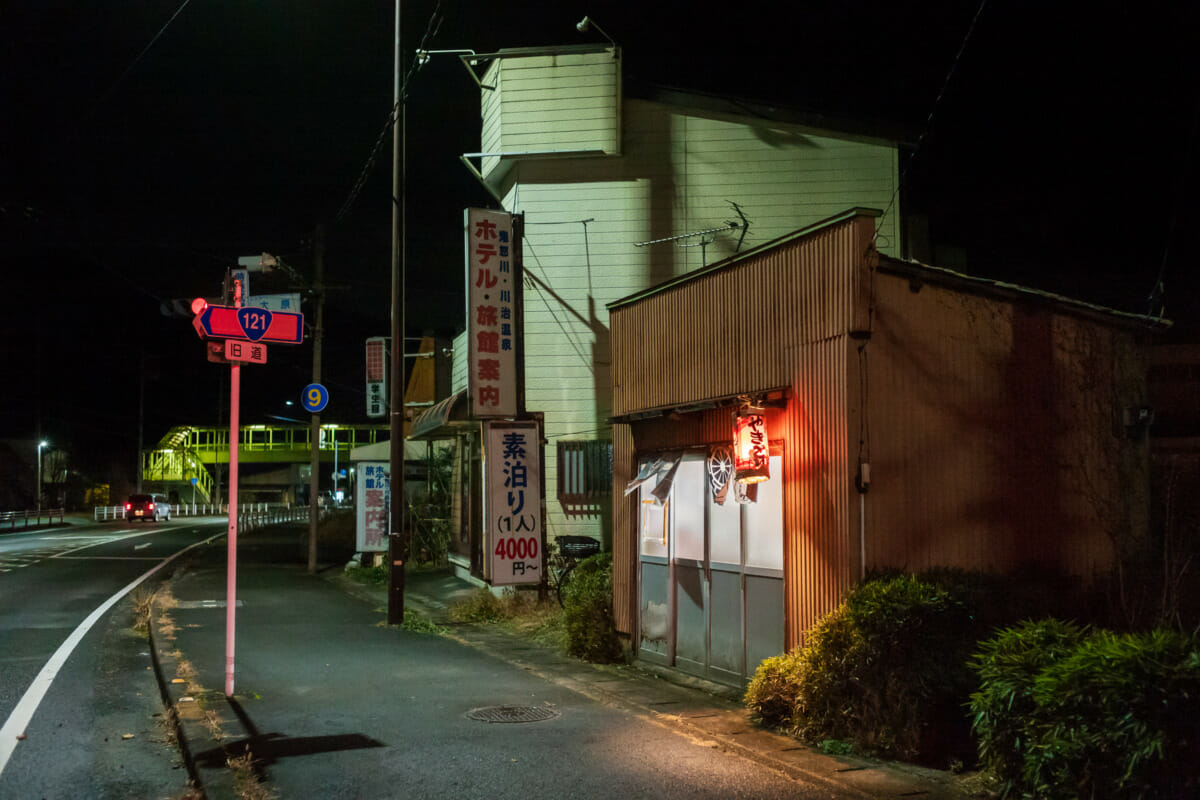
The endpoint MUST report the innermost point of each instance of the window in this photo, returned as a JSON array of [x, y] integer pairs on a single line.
[[585, 471]]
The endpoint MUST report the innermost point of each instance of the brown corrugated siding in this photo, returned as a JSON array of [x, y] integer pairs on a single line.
[[624, 542], [992, 427], [777, 319]]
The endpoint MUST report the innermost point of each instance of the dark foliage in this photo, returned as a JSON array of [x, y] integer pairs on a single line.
[[587, 608]]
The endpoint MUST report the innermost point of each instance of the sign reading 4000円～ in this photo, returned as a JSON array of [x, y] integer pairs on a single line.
[[249, 324]]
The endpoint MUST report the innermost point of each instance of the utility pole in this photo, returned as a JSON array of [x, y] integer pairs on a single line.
[[141, 416], [397, 538], [314, 482]]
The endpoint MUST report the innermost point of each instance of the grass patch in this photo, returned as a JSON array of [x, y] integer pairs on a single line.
[[520, 612], [143, 608], [419, 623], [247, 783], [370, 576]]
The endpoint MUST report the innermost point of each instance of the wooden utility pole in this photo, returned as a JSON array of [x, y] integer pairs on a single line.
[[314, 483], [398, 529]]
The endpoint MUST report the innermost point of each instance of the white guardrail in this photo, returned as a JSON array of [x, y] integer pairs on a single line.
[[250, 515], [26, 518]]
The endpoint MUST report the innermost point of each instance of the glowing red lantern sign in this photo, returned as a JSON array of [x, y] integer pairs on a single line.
[[751, 448]]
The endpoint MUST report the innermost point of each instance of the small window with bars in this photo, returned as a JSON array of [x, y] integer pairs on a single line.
[[585, 470]]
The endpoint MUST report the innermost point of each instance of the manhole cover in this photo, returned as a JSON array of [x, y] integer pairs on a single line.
[[512, 714]]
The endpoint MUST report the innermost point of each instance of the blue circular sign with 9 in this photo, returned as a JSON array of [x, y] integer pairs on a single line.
[[315, 397]]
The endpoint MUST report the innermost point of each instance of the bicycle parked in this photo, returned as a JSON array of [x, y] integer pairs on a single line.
[[565, 554]]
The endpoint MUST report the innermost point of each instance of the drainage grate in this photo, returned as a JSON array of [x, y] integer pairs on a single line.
[[512, 714]]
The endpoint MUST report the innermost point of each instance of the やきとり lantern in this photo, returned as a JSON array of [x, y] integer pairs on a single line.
[[751, 449]]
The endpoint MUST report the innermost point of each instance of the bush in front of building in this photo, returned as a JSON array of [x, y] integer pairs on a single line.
[[885, 671], [772, 692], [1008, 665], [587, 609], [1116, 716], [889, 674]]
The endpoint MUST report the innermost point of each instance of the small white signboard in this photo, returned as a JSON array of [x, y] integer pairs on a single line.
[[372, 494], [513, 483]]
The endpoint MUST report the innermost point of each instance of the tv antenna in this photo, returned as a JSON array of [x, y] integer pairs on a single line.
[[707, 236]]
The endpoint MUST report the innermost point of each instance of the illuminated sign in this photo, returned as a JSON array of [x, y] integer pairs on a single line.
[[751, 456], [492, 294]]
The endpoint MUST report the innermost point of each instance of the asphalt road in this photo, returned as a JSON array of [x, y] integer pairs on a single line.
[[94, 733], [333, 703]]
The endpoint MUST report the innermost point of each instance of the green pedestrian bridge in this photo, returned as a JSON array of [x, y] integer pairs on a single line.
[[188, 453]]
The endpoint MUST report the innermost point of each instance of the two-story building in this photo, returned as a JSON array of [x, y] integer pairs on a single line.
[[623, 187]]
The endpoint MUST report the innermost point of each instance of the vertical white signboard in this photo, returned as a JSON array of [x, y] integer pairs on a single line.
[[372, 496], [513, 505], [377, 366], [491, 313]]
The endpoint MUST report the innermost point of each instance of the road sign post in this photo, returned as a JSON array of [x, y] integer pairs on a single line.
[[245, 332]]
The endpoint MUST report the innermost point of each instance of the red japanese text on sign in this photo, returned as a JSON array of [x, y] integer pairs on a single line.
[[491, 312], [514, 502]]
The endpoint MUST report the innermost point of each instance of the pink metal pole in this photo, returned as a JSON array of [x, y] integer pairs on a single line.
[[235, 390]]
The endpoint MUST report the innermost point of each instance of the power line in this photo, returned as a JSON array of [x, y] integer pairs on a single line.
[[142, 54], [962, 48], [431, 29]]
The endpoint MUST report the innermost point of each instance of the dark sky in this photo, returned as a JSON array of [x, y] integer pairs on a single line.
[[1062, 155]]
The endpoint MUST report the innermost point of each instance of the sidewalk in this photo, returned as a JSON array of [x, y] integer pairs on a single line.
[[189, 645]]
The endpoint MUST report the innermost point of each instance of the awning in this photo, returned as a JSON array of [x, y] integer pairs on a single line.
[[440, 420]]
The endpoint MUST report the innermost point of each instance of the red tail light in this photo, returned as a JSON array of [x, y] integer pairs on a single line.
[[128, 506], [149, 506]]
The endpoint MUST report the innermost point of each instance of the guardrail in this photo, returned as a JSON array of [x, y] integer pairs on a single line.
[[250, 515], [36, 517]]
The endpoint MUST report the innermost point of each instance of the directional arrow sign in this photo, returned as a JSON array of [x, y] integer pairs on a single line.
[[249, 324]]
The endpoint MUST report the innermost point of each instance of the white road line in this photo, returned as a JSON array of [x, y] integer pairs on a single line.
[[97, 544], [21, 715], [109, 558], [143, 544]]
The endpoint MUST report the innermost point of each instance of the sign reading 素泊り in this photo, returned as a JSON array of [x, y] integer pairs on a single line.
[[374, 491], [513, 506], [493, 294]]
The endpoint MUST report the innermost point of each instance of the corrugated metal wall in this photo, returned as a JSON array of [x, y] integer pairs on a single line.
[[993, 423], [775, 319]]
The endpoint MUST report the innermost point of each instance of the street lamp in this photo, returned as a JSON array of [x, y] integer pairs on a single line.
[[41, 445]]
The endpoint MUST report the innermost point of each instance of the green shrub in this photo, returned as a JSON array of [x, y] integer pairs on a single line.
[[1001, 711], [771, 694], [587, 609], [887, 671], [1119, 717]]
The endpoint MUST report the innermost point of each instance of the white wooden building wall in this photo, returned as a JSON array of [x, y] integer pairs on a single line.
[[554, 102], [676, 174]]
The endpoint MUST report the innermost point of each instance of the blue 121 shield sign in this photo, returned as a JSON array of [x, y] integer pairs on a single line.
[[513, 479]]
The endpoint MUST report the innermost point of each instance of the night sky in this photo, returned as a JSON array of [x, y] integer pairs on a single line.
[[1061, 155]]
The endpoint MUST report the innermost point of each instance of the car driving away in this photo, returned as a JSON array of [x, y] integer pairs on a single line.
[[147, 506]]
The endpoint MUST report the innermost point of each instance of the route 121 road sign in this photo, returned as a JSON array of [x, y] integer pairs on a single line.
[[249, 324]]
